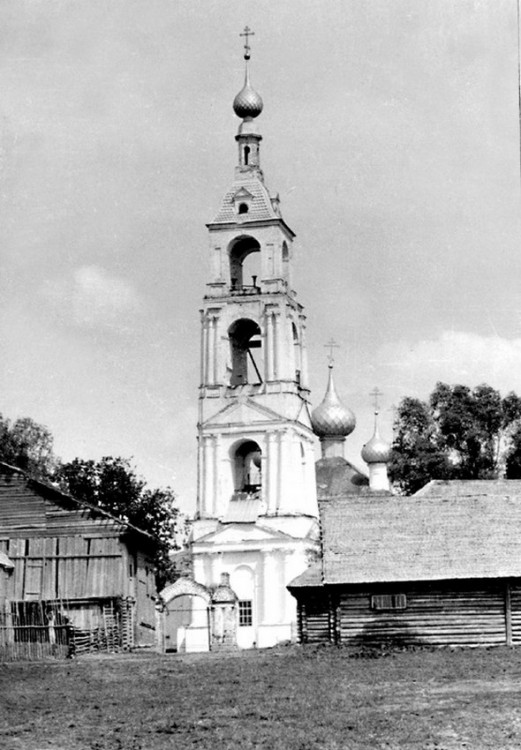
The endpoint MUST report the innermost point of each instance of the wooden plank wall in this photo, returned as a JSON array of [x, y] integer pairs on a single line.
[[445, 615], [73, 567]]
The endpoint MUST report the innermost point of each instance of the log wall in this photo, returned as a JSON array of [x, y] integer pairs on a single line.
[[467, 613]]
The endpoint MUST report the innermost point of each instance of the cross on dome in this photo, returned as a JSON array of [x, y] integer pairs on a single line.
[[331, 344], [375, 395], [247, 33]]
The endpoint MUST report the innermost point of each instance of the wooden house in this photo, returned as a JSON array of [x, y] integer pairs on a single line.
[[442, 567], [71, 576]]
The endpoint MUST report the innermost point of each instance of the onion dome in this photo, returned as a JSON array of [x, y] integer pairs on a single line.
[[331, 418], [224, 593], [377, 450], [247, 103]]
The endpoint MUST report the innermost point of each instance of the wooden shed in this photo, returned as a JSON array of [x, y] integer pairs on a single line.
[[75, 577], [442, 567]]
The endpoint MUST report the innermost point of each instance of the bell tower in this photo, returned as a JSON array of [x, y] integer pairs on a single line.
[[256, 504]]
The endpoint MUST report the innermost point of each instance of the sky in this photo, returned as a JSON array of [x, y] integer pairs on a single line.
[[391, 132]]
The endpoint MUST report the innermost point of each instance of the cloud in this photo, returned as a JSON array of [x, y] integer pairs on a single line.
[[453, 357], [94, 298]]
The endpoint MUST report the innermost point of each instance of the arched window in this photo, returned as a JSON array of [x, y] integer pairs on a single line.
[[247, 365], [297, 353], [241, 249], [285, 261], [246, 155], [247, 467]]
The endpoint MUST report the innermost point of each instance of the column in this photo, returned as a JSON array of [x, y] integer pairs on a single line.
[[280, 439], [208, 357], [278, 346], [216, 463], [208, 489], [303, 355], [271, 600], [203, 349], [269, 345]]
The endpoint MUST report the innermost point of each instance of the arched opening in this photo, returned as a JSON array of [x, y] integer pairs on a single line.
[[246, 155], [246, 352], [186, 624], [297, 353], [239, 251], [247, 467], [243, 208], [285, 262]]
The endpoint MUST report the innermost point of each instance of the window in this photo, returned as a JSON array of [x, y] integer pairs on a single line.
[[382, 602], [245, 613], [243, 208]]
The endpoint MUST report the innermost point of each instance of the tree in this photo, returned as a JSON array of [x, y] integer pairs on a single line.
[[112, 484], [415, 458], [459, 433], [27, 445]]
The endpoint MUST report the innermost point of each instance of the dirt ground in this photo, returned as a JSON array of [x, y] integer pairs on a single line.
[[290, 698]]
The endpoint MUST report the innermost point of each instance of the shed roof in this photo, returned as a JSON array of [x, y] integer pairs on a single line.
[[67, 501], [385, 538], [458, 487]]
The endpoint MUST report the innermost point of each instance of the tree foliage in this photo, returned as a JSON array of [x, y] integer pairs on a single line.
[[112, 484], [27, 445], [458, 433]]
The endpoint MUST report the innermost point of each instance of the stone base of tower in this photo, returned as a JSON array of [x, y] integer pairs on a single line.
[[261, 559]]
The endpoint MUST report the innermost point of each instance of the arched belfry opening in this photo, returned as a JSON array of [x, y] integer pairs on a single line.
[[247, 466], [297, 353], [247, 361], [244, 254]]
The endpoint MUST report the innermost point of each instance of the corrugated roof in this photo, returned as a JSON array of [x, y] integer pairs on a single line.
[[386, 538], [260, 206]]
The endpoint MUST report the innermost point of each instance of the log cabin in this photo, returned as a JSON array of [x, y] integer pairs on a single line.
[[72, 577], [442, 567]]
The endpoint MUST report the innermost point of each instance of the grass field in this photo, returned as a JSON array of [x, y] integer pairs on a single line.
[[290, 698]]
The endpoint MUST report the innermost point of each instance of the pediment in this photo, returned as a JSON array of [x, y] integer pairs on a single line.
[[242, 194], [242, 532], [243, 412]]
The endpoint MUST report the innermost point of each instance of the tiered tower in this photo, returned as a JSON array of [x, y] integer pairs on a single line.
[[256, 505]]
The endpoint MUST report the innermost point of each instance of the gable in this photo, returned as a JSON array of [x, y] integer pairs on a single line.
[[243, 411], [236, 533]]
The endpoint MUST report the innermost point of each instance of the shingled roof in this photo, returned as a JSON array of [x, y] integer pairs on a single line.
[[385, 538], [261, 207]]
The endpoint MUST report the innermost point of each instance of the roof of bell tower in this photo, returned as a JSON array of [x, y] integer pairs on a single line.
[[254, 193]]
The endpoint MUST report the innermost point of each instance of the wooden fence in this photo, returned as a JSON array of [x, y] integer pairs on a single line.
[[61, 629]]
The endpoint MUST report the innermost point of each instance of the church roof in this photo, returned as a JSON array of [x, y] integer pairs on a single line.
[[336, 476], [260, 205], [373, 538]]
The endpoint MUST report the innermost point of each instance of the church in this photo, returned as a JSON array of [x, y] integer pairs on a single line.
[[286, 548]]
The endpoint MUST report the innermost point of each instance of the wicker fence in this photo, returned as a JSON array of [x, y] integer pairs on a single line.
[[39, 630]]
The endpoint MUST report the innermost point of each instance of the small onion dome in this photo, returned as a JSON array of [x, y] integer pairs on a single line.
[[247, 103], [377, 450], [331, 418], [224, 593]]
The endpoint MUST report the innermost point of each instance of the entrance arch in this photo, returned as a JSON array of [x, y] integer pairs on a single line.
[[185, 617]]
